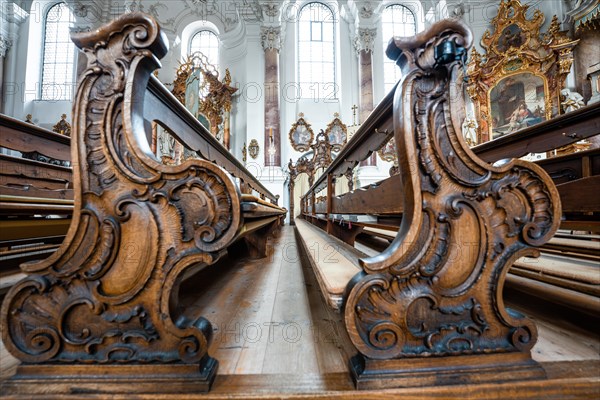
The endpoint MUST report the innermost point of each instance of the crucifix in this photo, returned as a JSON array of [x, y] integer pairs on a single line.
[[354, 108]]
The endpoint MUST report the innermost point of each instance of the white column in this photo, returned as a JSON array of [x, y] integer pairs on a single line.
[[12, 16]]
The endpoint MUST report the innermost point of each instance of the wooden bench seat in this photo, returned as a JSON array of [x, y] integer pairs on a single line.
[[560, 269], [566, 271], [23, 177], [33, 218], [36, 192], [583, 244], [554, 292], [26, 205], [335, 263], [13, 258], [569, 266], [255, 207], [9, 279]]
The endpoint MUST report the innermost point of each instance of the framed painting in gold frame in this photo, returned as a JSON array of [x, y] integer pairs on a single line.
[[518, 101], [301, 134], [337, 133], [516, 82]]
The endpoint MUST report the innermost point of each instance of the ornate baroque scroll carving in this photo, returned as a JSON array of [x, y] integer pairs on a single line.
[[322, 149], [430, 306], [109, 294]]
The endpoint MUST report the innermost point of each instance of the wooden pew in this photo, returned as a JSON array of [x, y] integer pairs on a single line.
[[371, 213], [429, 307], [139, 228], [36, 194]]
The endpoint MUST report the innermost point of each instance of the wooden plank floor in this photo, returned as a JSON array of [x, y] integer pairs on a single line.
[[275, 337], [268, 315]]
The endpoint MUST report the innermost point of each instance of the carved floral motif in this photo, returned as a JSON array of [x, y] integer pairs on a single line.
[[5, 45]]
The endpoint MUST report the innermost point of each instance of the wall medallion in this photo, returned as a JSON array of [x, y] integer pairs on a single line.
[[253, 148]]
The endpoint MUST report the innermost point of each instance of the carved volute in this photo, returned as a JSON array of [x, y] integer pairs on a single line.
[[106, 295], [437, 289]]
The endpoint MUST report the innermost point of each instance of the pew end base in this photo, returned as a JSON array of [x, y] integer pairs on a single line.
[[372, 374], [130, 379]]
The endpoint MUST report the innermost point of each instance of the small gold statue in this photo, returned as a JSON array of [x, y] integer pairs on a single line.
[[62, 126]]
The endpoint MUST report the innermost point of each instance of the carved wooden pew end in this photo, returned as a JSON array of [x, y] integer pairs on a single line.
[[429, 309], [101, 314]]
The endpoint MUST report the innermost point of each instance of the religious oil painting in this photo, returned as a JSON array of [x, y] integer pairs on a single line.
[[512, 37], [516, 102], [336, 133], [388, 152], [301, 135]]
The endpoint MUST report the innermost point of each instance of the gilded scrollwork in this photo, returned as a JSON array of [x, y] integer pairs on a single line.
[[214, 97]]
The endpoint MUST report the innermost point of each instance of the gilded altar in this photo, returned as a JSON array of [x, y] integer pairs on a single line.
[[517, 81], [198, 87]]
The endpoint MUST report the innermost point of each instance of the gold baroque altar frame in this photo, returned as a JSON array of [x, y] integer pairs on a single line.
[[217, 102], [321, 158], [516, 82]]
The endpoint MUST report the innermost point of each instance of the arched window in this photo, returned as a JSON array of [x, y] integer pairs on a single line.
[[58, 60], [207, 43], [396, 20], [316, 52]]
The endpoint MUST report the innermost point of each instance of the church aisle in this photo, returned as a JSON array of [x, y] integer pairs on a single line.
[[268, 315]]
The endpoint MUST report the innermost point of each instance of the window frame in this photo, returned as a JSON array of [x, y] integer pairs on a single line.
[[43, 55], [216, 36], [322, 91], [386, 61]]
